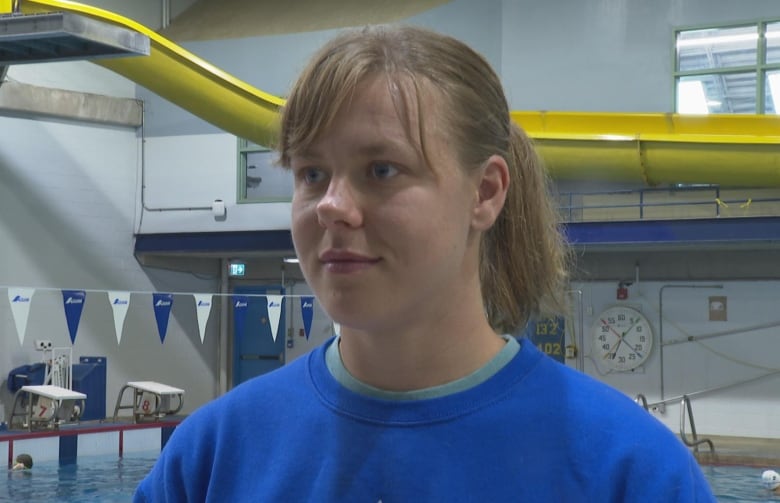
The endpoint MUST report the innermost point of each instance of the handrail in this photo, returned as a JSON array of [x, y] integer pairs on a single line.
[[685, 404], [642, 400], [756, 201]]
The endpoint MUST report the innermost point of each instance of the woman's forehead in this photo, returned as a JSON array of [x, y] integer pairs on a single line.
[[411, 106], [414, 102]]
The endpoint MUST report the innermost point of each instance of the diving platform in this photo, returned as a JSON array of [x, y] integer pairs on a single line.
[[46, 406], [64, 36], [151, 400]]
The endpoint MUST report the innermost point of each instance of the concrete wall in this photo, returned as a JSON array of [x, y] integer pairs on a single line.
[[67, 218], [729, 368]]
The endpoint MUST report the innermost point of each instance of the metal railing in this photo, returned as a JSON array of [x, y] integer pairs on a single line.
[[668, 203], [640, 399], [685, 405], [685, 410]]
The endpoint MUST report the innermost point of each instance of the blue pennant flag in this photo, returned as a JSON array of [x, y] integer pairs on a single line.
[[73, 302], [162, 302], [307, 313]]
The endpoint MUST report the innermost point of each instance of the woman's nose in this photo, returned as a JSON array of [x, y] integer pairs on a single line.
[[339, 205]]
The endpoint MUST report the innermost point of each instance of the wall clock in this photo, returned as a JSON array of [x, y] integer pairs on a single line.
[[622, 338]]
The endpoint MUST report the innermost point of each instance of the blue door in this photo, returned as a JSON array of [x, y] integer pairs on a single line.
[[254, 350]]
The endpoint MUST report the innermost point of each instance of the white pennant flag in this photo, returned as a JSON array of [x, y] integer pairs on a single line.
[[274, 312], [119, 301], [20, 299], [203, 304]]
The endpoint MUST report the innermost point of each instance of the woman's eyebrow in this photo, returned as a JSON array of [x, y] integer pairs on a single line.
[[384, 147]]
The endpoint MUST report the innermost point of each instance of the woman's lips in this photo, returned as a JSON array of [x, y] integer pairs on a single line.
[[343, 262]]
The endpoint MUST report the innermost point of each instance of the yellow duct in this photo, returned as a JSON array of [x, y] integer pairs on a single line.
[[729, 150]]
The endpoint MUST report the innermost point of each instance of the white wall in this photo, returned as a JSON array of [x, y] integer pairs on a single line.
[[67, 207], [186, 172], [715, 366]]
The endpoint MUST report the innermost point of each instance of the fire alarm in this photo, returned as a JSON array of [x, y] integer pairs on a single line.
[[622, 291]]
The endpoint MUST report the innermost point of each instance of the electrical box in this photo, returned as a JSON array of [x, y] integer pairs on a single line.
[[42, 345], [89, 377]]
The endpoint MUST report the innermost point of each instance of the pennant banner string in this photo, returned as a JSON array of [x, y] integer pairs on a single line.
[[140, 292]]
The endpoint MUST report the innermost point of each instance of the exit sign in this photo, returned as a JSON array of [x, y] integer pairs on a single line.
[[237, 269]]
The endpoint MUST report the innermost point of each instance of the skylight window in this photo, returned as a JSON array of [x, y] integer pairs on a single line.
[[691, 98], [728, 69]]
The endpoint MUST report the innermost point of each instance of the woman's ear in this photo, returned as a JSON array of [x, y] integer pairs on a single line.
[[492, 187]]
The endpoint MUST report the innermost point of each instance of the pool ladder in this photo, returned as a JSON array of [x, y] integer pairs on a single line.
[[685, 406]]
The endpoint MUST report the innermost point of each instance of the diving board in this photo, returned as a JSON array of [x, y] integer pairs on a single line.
[[46, 406], [151, 400]]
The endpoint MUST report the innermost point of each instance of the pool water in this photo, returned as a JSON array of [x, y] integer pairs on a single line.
[[739, 483], [93, 479], [113, 480]]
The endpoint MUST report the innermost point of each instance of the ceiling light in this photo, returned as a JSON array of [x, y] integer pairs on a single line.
[[718, 39]]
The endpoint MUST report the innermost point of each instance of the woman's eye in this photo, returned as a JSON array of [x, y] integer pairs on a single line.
[[383, 170], [311, 175]]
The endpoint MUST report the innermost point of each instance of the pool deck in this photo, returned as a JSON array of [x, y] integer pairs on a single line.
[[744, 451], [85, 427]]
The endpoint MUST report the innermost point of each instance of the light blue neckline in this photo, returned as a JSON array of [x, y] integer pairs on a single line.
[[339, 372]]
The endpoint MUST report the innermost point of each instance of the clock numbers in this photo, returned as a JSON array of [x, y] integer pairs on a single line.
[[622, 338]]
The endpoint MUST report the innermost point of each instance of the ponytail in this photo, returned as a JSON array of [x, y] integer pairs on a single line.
[[523, 257]]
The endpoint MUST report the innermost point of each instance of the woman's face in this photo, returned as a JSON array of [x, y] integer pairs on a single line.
[[383, 238]]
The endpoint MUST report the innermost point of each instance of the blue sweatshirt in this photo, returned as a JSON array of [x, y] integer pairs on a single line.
[[536, 431]]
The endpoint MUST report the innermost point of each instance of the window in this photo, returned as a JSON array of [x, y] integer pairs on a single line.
[[260, 180], [731, 70]]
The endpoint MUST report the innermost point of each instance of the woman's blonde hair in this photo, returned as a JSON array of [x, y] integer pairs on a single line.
[[523, 258]]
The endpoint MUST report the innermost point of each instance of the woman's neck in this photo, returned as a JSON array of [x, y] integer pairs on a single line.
[[420, 356]]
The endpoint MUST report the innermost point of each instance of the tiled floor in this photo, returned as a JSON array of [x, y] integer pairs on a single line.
[[746, 451]]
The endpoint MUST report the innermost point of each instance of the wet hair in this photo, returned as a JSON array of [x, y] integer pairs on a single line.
[[523, 258], [25, 459]]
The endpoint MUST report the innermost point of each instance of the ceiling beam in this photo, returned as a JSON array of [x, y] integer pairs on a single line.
[[32, 102]]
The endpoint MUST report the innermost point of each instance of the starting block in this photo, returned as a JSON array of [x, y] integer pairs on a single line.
[[47, 406], [151, 400]]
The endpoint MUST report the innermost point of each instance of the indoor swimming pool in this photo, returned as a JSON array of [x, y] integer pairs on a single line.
[[104, 479], [738, 483], [108, 479]]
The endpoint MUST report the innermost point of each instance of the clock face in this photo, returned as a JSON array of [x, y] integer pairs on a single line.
[[622, 338]]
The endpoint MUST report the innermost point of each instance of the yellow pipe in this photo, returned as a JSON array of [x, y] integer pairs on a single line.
[[730, 150]]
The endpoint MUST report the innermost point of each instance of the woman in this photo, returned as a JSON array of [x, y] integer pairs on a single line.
[[422, 222]]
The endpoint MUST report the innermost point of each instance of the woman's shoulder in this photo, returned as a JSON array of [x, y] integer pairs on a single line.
[[595, 406]]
